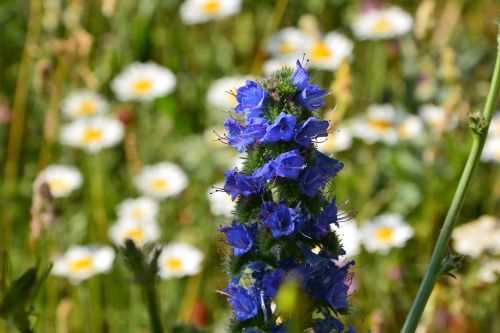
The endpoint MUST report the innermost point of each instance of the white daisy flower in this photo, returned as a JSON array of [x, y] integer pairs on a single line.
[[141, 209], [489, 271], [477, 237], [179, 259], [350, 236], [84, 103], [287, 43], [92, 134], [62, 180], [382, 24], [81, 262], [379, 125], [328, 52], [384, 232], [273, 65], [437, 118], [139, 232], [161, 180], [221, 93], [491, 151], [410, 127], [143, 82], [338, 140], [200, 11], [220, 202]]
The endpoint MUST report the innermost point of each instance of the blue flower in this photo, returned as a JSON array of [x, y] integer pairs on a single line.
[[272, 281], [300, 77], [311, 180], [312, 97], [313, 128], [240, 136], [289, 164], [238, 183], [337, 296], [245, 305], [328, 324], [328, 215], [264, 172], [281, 129], [253, 330], [239, 237], [251, 98], [328, 166], [279, 218], [350, 329]]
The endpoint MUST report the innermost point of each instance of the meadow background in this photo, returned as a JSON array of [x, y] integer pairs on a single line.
[[51, 48]]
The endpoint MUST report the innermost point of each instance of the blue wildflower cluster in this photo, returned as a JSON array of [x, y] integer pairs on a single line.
[[282, 218]]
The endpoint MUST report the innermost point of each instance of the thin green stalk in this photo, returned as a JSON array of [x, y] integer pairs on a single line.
[[480, 129], [149, 291]]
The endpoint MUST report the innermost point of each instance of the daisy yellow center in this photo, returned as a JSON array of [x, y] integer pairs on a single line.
[[57, 185], [320, 51], [382, 26], [384, 234], [87, 107], [92, 135], [81, 264], [211, 7], [138, 213], [136, 234], [437, 122], [380, 125], [142, 86], [159, 184], [173, 264], [286, 47]]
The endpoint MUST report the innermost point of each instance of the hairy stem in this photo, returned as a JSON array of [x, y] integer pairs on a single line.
[[434, 268]]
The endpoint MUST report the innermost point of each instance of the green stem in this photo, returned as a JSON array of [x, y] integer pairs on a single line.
[[434, 268], [149, 291]]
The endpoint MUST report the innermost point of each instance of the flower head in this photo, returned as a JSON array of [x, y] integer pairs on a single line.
[[220, 202], [379, 125], [84, 103], [327, 52], [141, 209], [251, 99], [161, 180], [287, 43], [339, 140], [240, 237], [244, 304], [93, 134], [282, 129], [139, 232], [79, 263], [221, 94], [382, 23], [143, 82], [62, 180], [201, 11], [384, 232], [179, 259]]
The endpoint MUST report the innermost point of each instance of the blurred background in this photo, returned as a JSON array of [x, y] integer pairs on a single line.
[[401, 87]]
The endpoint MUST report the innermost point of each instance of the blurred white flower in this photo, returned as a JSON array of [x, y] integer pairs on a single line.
[[84, 103], [489, 271], [410, 127], [350, 236], [287, 43], [141, 209], [382, 24], [477, 237], [93, 134], [221, 93], [379, 125], [79, 263], [220, 202], [178, 260], [338, 140], [62, 180], [273, 65], [491, 151], [143, 82], [495, 125], [200, 11], [161, 180], [139, 232], [437, 118], [328, 52], [212, 136], [384, 232]]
